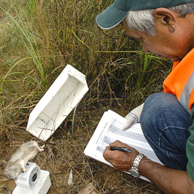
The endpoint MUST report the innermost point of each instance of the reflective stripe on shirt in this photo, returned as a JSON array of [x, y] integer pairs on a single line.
[[185, 95]]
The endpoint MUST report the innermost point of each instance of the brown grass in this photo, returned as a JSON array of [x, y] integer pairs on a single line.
[[63, 152]]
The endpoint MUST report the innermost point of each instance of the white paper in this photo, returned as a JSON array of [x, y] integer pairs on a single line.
[[109, 130]]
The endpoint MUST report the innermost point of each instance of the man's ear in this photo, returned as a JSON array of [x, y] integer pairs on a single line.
[[165, 16]]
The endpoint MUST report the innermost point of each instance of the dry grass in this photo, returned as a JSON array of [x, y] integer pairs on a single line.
[[64, 152]]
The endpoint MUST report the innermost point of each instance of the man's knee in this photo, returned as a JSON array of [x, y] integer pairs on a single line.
[[151, 105], [154, 107], [163, 111]]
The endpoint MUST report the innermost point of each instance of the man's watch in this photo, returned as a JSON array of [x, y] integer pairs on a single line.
[[134, 169]]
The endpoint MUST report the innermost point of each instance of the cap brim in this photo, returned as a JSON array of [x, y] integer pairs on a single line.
[[110, 17]]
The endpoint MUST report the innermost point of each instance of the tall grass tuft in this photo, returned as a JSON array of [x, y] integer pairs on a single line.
[[41, 37]]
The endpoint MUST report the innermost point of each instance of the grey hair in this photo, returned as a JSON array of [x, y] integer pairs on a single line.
[[143, 20]]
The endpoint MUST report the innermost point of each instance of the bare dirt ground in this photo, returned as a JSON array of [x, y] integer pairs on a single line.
[[63, 153]]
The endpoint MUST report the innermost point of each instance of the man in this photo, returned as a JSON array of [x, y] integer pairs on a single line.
[[164, 28]]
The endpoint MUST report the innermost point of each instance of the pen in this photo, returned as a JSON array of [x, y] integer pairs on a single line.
[[122, 149]]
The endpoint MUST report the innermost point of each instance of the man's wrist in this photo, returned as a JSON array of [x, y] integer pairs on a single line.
[[135, 168]]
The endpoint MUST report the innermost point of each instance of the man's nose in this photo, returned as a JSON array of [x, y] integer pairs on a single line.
[[145, 48]]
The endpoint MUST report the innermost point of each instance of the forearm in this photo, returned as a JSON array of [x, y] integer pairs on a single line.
[[167, 179]]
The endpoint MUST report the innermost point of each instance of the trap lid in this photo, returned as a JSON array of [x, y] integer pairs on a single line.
[[60, 99]]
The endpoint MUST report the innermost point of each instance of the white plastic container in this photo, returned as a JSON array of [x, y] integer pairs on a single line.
[[33, 181], [60, 99]]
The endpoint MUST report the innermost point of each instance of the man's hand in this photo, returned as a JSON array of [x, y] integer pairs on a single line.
[[120, 160], [133, 117]]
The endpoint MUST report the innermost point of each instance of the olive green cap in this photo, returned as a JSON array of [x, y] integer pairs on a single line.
[[117, 11]]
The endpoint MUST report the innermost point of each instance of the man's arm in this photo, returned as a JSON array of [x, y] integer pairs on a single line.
[[165, 178], [169, 180]]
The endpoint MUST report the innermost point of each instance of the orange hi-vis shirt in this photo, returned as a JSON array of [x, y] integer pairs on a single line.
[[180, 81]]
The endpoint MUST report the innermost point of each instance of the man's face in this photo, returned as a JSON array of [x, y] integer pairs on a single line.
[[164, 45]]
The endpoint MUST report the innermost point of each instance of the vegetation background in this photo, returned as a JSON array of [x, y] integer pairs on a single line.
[[38, 39]]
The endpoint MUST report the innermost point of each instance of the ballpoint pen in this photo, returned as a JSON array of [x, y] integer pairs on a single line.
[[122, 149]]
